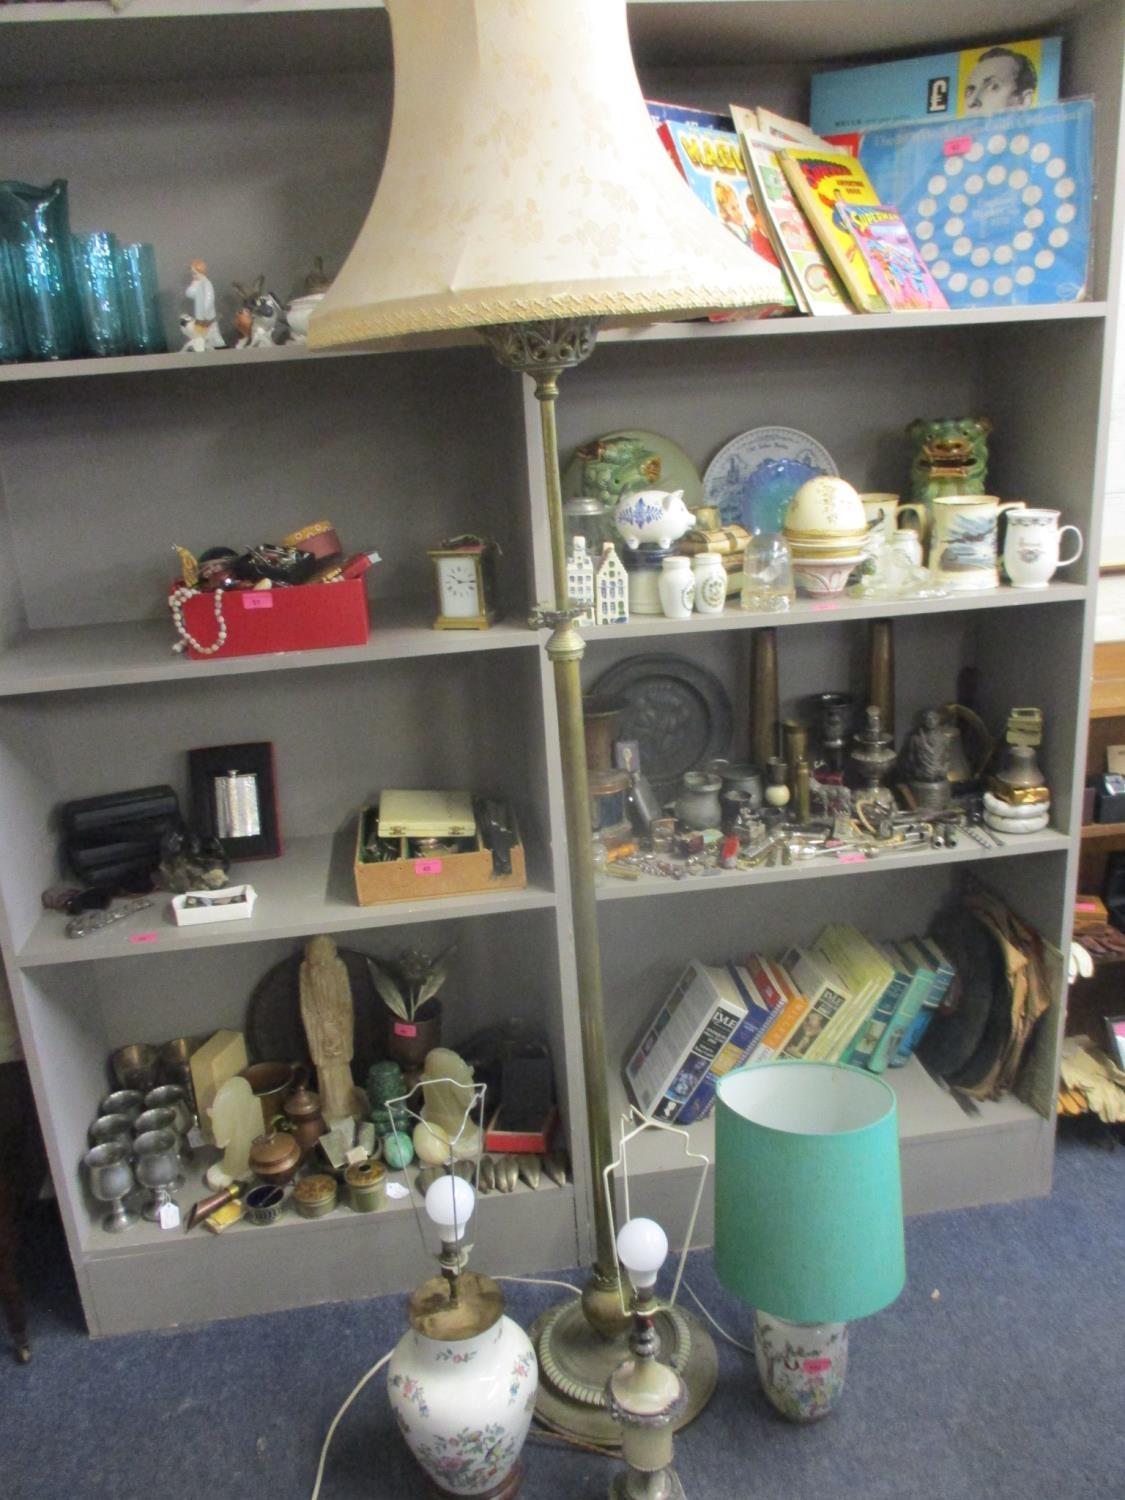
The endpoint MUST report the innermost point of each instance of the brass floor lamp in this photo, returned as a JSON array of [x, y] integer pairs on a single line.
[[525, 195]]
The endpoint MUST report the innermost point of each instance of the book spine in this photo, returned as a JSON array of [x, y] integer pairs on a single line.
[[914, 1034], [760, 1007], [716, 1033], [838, 243], [901, 1022], [780, 1029], [861, 1049]]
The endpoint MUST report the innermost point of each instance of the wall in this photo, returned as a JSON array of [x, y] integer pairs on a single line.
[[1111, 589]]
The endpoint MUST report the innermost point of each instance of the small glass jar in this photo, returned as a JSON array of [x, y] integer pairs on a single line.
[[588, 518]]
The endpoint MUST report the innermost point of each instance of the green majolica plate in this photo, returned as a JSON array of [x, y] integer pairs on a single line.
[[677, 472]]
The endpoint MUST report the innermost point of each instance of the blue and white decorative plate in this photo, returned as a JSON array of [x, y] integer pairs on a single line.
[[753, 478]]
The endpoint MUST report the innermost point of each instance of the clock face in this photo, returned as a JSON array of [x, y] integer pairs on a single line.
[[458, 588]]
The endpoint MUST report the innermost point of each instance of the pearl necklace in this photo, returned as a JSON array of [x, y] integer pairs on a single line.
[[176, 601]]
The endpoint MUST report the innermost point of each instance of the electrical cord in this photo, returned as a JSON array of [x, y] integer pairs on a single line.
[[331, 1433], [540, 1434], [746, 1349]]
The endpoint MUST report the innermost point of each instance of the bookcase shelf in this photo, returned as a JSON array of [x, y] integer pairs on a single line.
[[611, 888], [107, 463]]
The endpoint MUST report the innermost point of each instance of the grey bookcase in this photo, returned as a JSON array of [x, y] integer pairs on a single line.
[[251, 134]]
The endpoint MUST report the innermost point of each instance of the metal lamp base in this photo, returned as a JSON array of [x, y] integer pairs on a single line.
[[575, 1364]]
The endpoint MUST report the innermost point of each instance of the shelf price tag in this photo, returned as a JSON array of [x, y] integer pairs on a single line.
[[427, 867], [168, 1217]]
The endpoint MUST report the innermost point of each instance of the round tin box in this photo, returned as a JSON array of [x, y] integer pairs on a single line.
[[315, 1196]]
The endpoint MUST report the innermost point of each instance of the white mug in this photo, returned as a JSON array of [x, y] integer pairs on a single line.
[[885, 511], [1031, 548]]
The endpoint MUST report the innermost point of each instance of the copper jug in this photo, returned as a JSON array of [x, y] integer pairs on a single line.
[[303, 1118]]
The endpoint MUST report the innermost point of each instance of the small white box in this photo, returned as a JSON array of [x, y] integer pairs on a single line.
[[234, 903]]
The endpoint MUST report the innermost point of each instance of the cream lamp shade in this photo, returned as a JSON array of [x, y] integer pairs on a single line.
[[524, 180]]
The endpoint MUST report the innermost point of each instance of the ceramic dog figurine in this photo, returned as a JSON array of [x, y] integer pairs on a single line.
[[950, 456]]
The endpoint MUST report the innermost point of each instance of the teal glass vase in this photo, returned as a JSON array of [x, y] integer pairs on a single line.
[[13, 345], [100, 293], [140, 293], [35, 223]]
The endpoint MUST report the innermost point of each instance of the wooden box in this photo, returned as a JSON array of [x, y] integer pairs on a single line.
[[415, 879]]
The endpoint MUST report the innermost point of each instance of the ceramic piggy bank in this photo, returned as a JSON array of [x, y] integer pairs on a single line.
[[656, 516]]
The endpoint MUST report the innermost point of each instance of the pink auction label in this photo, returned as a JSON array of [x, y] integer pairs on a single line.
[[143, 937], [958, 146], [1085, 906], [816, 1366], [849, 859], [827, 604], [405, 1028], [427, 867], [252, 599]]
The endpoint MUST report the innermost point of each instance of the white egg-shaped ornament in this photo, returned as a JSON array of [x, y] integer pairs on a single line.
[[825, 508]]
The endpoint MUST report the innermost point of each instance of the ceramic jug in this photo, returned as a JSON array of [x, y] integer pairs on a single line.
[[963, 549], [677, 588], [1031, 547], [35, 222]]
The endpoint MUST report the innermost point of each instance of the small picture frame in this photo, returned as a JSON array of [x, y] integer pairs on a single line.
[[1115, 1039], [234, 798]]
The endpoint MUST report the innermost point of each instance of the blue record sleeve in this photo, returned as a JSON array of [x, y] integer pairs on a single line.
[[999, 206]]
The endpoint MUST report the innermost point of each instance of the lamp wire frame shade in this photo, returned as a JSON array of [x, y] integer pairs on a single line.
[[524, 180], [808, 1194]]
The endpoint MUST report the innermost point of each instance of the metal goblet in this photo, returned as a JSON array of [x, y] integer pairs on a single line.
[[122, 1102], [110, 1179], [135, 1066], [162, 1119], [157, 1168], [172, 1096], [108, 1128]]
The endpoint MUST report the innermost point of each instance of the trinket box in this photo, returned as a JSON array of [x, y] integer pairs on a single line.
[[250, 622], [433, 866], [234, 903]]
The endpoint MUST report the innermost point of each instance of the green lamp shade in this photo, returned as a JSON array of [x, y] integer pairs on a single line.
[[808, 1199]]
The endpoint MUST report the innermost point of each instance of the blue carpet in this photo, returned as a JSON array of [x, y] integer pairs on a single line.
[[1010, 1383]]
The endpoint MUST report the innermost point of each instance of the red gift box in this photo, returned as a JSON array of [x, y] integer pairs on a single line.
[[307, 618]]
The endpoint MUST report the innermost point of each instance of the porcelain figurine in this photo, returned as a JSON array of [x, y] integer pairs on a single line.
[[658, 516], [236, 1119], [260, 321], [446, 1127], [201, 326], [611, 588], [950, 456], [328, 1018], [300, 309], [580, 581]]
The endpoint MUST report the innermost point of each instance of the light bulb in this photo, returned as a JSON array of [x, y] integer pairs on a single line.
[[643, 1248], [449, 1203]]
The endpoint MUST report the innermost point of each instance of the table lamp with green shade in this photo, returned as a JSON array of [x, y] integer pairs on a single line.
[[808, 1218], [526, 198]]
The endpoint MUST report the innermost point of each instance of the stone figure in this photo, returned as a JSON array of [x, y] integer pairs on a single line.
[[236, 1118], [446, 1127], [328, 1017]]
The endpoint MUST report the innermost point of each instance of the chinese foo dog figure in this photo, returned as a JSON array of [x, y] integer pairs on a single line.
[[950, 456]]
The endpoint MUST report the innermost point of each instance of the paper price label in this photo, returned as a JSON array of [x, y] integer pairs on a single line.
[[255, 600], [427, 867], [168, 1217]]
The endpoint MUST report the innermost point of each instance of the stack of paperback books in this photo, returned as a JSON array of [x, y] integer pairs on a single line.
[[843, 999]]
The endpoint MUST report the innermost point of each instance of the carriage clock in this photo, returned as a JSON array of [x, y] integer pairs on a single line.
[[466, 583]]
